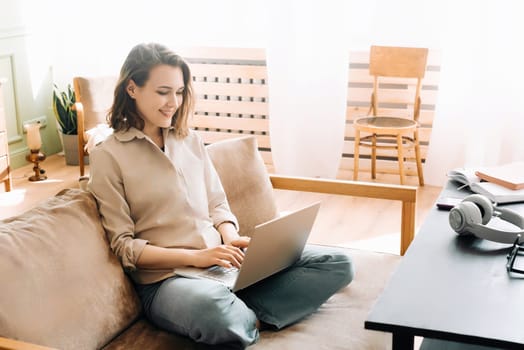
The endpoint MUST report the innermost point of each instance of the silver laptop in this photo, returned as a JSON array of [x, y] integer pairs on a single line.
[[274, 246]]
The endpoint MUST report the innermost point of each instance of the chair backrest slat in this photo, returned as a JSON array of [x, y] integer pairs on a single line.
[[409, 62], [397, 62]]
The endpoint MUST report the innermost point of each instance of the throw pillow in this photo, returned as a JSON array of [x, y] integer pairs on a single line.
[[246, 181]]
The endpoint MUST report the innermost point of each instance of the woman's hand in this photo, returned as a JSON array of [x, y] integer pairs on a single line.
[[240, 242], [223, 255]]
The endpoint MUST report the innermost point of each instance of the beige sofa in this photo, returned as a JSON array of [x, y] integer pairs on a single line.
[[63, 288]]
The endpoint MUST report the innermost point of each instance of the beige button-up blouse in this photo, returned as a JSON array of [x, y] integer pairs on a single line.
[[145, 196]]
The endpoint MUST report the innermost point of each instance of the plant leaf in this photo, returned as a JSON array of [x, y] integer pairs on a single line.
[[63, 102]]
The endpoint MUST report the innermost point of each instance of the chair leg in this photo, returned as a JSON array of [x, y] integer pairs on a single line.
[[400, 158], [419, 160], [81, 159], [374, 156], [356, 155]]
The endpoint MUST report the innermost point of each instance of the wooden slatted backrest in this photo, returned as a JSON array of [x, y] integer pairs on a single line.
[[231, 94], [396, 99]]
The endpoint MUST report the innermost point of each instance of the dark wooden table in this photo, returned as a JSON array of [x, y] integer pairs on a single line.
[[452, 288]]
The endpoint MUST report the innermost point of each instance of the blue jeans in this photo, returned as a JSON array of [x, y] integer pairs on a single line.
[[208, 312]]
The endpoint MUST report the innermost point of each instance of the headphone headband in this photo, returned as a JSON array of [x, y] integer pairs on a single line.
[[510, 216]]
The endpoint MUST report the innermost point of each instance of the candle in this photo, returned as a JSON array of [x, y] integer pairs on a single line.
[[34, 142]]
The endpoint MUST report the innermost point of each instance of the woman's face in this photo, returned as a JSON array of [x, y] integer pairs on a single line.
[[159, 98]]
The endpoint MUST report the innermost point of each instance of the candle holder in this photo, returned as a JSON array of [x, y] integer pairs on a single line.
[[34, 142], [36, 157]]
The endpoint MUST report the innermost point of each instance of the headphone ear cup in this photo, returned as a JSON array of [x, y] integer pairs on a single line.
[[463, 216], [484, 204]]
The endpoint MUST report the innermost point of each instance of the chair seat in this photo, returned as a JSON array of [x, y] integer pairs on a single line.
[[383, 124]]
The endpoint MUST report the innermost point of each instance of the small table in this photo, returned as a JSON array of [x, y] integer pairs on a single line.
[[452, 288]]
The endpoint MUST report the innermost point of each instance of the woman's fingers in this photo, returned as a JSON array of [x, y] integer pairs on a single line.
[[241, 242], [228, 256], [223, 255], [235, 256]]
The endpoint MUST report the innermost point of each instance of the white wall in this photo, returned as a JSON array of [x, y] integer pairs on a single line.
[[26, 94]]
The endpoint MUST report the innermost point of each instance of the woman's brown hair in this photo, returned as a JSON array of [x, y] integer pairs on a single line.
[[139, 62]]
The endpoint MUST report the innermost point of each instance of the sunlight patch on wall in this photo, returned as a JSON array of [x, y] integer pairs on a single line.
[[38, 45]]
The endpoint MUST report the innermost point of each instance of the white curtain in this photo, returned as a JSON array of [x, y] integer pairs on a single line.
[[479, 120], [307, 75]]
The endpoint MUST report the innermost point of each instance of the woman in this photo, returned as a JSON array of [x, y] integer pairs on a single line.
[[163, 206]]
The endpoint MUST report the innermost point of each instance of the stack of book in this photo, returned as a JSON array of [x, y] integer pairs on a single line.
[[501, 184]]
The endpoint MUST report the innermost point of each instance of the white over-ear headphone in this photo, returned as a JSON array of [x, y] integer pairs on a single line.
[[472, 214]]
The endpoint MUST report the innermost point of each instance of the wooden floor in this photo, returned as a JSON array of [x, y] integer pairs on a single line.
[[345, 221]]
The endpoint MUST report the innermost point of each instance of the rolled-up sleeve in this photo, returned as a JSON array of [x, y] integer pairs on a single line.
[[106, 185]]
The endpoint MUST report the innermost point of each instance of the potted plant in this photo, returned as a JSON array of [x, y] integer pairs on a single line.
[[63, 106], [63, 102]]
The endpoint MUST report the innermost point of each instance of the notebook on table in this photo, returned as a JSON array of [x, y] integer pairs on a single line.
[[274, 246], [495, 192], [510, 176]]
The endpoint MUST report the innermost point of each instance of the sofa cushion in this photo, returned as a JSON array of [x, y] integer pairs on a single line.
[[338, 324], [61, 284], [246, 181]]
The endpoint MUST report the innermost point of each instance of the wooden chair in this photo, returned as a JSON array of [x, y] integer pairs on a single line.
[[387, 65], [94, 96]]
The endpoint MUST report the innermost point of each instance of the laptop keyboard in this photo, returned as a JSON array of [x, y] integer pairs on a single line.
[[220, 273], [216, 271]]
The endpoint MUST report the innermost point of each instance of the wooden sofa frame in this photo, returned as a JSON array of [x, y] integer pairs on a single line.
[[407, 195]]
